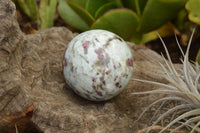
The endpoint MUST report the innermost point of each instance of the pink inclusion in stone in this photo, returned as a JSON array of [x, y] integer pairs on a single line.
[[65, 64], [130, 62], [93, 79], [86, 44], [115, 78], [115, 67], [99, 93], [118, 85], [107, 72], [99, 53]]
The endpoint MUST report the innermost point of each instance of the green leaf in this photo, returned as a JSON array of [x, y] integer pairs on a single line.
[[29, 7], [193, 7], [118, 3], [104, 8], [82, 3], [164, 31], [71, 17], [129, 4], [47, 12], [93, 5], [84, 14], [142, 4], [135, 5], [120, 21], [14, 1], [198, 57], [158, 12], [181, 20]]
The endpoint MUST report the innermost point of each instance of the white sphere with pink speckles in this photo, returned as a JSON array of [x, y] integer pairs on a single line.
[[98, 65]]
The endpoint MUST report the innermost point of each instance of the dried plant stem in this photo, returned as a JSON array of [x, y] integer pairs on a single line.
[[157, 128], [184, 86]]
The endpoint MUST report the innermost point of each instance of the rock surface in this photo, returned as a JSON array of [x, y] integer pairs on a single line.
[[35, 98]]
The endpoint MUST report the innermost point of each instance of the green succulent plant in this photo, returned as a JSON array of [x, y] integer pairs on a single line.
[[44, 12], [193, 9], [198, 57], [131, 19], [29, 7], [184, 86]]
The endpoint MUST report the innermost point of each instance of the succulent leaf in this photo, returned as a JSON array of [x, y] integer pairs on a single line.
[[198, 57], [135, 5], [14, 1], [158, 12], [104, 8], [194, 11], [82, 3], [71, 17], [47, 12], [29, 7], [93, 5], [119, 3], [164, 31], [142, 4], [84, 14], [149, 15], [129, 4], [120, 21]]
